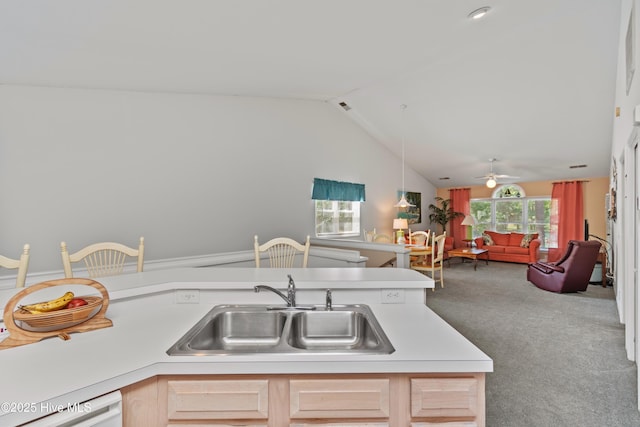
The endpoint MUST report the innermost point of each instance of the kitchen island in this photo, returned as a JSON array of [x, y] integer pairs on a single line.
[[151, 311]]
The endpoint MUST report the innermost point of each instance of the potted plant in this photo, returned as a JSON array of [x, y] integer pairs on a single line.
[[443, 214]]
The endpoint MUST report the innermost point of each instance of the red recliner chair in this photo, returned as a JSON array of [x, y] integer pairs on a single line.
[[569, 274]]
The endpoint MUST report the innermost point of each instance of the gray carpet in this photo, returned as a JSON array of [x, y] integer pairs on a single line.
[[559, 359]]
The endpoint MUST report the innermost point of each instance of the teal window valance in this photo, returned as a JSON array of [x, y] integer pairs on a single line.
[[324, 189]]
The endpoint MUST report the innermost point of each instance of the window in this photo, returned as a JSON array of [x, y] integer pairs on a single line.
[[337, 207], [510, 211], [337, 218], [539, 219]]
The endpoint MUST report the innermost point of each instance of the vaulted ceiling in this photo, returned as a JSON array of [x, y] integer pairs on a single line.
[[531, 84]]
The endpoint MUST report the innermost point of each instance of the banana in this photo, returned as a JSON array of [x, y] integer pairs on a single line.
[[44, 307]]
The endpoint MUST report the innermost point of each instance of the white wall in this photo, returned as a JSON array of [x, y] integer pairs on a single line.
[[625, 247], [193, 174]]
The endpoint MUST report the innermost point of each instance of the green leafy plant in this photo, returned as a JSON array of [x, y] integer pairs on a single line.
[[442, 214]]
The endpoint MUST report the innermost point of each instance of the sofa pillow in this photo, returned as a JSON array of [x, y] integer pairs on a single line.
[[500, 239], [526, 239], [487, 239], [515, 239]]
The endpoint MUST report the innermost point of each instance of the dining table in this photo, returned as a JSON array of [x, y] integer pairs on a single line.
[[417, 251]]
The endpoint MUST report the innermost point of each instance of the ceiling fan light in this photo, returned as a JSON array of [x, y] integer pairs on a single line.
[[491, 183]]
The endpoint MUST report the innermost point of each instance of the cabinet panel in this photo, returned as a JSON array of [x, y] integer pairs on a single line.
[[140, 403], [449, 424], [341, 425], [320, 400], [444, 397], [216, 425], [340, 398], [218, 399]]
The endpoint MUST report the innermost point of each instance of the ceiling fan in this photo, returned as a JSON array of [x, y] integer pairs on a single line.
[[492, 178]]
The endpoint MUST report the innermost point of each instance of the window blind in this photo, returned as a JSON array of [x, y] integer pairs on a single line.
[[324, 189]]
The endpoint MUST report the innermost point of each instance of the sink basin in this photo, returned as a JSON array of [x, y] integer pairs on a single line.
[[231, 330], [251, 329], [333, 330]]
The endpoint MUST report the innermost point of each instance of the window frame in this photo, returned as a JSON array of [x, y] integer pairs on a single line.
[[336, 211], [525, 224]]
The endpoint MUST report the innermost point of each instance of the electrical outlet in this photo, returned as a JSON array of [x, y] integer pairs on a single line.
[[392, 296], [187, 296]]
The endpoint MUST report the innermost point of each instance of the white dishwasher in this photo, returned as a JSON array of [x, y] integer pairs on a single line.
[[103, 411]]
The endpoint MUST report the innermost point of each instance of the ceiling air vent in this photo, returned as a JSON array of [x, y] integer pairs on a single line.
[[577, 166], [345, 106]]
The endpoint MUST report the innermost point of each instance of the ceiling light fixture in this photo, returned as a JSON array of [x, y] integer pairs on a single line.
[[403, 203], [491, 182], [479, 13]]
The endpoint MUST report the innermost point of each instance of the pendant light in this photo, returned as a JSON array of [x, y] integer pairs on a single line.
[[403, 203], [479, 13]]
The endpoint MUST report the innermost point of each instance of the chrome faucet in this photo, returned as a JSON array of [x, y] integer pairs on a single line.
[[329, 301], [291, 291], [290, 298]]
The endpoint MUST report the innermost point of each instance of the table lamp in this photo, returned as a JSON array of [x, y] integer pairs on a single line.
[[400, 224], [470, 221]]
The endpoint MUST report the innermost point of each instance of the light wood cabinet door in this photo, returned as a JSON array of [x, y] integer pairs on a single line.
[[218, 399], [341, 425], [322, 400], [339, 398], [447, 424], [444, 397], [234, 424]]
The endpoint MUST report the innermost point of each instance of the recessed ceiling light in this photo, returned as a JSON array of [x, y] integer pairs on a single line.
[[479, 13]]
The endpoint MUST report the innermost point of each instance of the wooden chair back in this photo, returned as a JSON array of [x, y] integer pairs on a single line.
[[103, 259], [382, 238], [438, 248], [282, 252], [433, 263], [21, 264], [419, 237]]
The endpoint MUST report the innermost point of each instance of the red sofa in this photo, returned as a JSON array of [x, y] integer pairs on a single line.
[[509, 247]]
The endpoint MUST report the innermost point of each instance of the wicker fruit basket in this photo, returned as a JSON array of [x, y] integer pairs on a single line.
[[61, 317]]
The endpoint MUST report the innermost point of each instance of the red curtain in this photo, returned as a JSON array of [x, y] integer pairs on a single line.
[[567, 217], [459, 203]]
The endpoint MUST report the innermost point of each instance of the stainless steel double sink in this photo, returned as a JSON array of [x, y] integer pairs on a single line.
[[250, 329]]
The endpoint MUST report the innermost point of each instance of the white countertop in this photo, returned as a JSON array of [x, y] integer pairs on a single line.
[[53, 372], [248, 277], [137, 284]]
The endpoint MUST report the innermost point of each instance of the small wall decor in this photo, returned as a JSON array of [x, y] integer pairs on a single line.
[[613, 213], [413, 214]]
